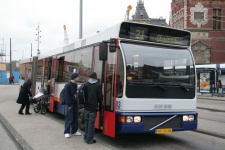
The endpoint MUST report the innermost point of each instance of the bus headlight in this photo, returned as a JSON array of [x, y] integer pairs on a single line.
[[185, 117], [191, 118], [137, 118], [188, 117], [129, 119]]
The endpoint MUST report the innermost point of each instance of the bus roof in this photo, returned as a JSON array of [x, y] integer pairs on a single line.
[[111, 32]]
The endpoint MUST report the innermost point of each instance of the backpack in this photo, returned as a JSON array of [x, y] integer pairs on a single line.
[[80, 94], [62, 97]]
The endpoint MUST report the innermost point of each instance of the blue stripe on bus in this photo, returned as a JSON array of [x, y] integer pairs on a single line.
[[122, 128]]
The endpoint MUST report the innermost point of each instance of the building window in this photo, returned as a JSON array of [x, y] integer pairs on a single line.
[[217, 19], [199, 15]]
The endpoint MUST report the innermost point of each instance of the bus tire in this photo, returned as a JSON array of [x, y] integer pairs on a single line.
[[81, 119]]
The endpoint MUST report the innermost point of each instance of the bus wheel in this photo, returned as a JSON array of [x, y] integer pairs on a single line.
[[81, 119]]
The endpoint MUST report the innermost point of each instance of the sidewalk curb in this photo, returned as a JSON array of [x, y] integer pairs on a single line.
[[211, 98], [222, 136], [217, 110], [18, 139]]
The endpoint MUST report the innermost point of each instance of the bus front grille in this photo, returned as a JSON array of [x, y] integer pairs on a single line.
[[152, 122]]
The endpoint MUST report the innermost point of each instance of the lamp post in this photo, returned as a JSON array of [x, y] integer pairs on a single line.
[[10, 59], [31, 51], [2, 49], [81, 19], [38, 39]]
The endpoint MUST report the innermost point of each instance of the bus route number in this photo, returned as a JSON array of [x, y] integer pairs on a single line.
[[140, 34]]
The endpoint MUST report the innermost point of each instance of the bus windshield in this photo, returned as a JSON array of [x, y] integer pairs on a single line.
[[147, 64]]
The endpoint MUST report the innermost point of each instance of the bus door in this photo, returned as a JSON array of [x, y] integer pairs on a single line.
[[105, 71], [47, 71], [98, 68], [47, 75], [109, 97], [52, 85]]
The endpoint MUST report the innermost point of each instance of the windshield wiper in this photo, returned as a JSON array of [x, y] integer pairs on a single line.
[[184, 87], [159, 85], [178, 84]]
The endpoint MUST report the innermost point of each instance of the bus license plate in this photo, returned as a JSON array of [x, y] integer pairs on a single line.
[[164, 131]]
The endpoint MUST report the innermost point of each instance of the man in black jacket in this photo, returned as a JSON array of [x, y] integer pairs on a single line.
[[23, 98], [93, 97], [71, 120]]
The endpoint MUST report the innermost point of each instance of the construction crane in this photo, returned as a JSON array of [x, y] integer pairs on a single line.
[[66, 39], [127, 15]]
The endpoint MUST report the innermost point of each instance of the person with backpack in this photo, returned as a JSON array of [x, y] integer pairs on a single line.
[[93, 101], [71, 120]]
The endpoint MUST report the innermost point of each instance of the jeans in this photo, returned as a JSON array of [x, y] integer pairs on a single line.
[[89, 117], [71, 120], [219, 92]]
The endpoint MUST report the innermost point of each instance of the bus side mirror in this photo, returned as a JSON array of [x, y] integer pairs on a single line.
[[103, 51]]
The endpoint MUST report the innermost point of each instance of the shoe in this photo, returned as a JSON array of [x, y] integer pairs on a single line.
[[28, 113], [77, 133], [93, 141], [67, 135], [21, 113]]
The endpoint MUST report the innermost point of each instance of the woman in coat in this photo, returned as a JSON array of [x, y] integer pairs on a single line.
[[24, 97]]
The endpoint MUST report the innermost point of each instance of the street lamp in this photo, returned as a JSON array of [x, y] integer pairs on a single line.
[[81, 19], [38, 38], [10, 58]]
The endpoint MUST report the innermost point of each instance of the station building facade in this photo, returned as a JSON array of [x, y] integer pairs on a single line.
[[206, 21], [141, 16]]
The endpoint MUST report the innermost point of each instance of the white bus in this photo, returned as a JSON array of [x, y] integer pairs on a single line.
[[147, 74]]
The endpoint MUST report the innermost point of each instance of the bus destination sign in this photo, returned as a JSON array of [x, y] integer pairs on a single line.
[[154, 34]]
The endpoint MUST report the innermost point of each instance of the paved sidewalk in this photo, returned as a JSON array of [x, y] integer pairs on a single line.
[[37, 131], [215, 97], [7, 139], [211, 127]]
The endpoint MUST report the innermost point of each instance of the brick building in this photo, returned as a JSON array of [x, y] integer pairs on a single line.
[[206, 21]]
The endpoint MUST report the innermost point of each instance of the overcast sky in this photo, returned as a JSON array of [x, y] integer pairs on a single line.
[[19, 20]]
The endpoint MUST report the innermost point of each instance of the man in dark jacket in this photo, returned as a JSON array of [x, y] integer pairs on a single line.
[[71, 120], [23, 98], [93, 97]]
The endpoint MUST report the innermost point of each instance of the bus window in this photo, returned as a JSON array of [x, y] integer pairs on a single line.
[[98, 65], [83, 63], [40, 71], [148, 65], [110, 71], [69, 66], [60, 69], [120, 76]]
